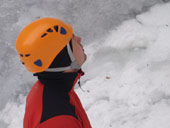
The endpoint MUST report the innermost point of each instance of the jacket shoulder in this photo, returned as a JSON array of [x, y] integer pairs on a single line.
[[37, 87]]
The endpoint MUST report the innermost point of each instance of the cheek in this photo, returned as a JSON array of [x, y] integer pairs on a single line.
[[79, 54], [79, 40]]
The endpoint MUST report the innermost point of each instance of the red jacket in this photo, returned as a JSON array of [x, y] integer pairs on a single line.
[[52, 103]]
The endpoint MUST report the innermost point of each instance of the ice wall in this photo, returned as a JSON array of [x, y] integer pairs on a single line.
[[91, 19]]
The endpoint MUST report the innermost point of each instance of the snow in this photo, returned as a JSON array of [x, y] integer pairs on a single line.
[[127, 82], [13, 114]]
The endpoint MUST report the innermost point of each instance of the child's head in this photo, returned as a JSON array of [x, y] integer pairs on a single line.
[[48, 44]]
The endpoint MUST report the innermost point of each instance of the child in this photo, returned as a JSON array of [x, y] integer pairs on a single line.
[[48, 48]]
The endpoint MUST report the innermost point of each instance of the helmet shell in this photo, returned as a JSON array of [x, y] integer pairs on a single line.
[[41, 41]]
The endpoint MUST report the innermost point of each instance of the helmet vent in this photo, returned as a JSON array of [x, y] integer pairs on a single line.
[[27, 55], [56, 28], [21, 55], [38, 63], [22, 62], [63, 31], [43, 35], [49, 30]]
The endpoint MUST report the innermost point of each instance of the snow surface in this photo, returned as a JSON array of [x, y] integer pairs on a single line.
[[127, 82], [128, 74]]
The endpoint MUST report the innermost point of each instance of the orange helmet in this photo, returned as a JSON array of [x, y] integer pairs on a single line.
[[41, 41]]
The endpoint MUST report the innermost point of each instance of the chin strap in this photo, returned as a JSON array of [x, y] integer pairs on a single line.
[[73, 65]]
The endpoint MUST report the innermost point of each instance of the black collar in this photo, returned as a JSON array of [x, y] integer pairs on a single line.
[[61, 82]]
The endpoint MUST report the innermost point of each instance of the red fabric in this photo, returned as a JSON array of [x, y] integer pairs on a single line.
[[79, 110], [61, 122], [34, 106], [82, 116]]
